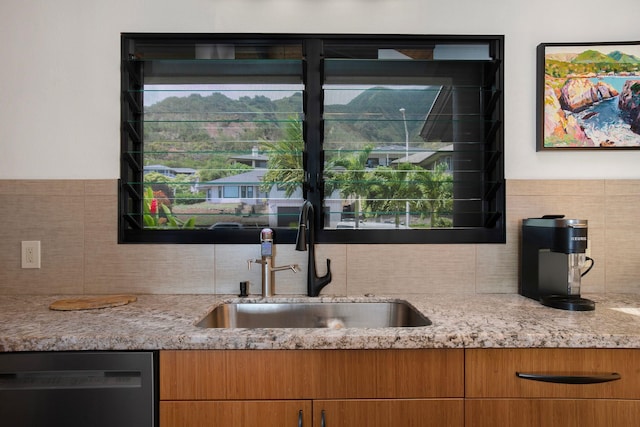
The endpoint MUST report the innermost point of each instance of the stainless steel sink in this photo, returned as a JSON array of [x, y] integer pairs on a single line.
[[334, 315]]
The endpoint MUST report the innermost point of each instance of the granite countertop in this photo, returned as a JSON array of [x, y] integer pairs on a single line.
[[459, 321]]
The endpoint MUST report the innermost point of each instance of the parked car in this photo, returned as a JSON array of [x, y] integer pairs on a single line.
[[218, 225]]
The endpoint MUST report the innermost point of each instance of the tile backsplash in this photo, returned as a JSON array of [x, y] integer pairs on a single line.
[[76, 222]]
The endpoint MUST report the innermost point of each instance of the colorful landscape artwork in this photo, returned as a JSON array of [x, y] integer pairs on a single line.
[[589, 96]]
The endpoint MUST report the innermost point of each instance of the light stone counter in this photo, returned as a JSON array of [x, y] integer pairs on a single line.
[[167, 322]]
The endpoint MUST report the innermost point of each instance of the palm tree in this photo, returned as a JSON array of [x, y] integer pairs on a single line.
[[351, 176], [428, 191], [385, 192], [436, 189], [284, 167]]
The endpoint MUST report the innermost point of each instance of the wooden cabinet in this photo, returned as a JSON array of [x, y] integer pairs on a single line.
[[388, 413], [264, 413], [570, 387], [288, 387]]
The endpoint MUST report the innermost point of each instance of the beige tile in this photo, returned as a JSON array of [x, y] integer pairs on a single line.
[[93, 187], [231, 269], [410, 269], [541, 187], [622, 187], [76, 221], [587, 207], [57, 222], [622, 243], [47, 187], [8, 186], [497, 267], [140, 268]]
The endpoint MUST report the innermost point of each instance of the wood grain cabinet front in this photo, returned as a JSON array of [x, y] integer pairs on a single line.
[[388, 413], [552, 387], [321, 388], [265, 413]]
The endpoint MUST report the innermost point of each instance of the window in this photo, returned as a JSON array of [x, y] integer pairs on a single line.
[[394, 139]]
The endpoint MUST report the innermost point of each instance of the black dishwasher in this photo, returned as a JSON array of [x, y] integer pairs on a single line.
[[96, 389]]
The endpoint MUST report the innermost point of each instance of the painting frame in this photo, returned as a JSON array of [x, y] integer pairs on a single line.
[[576, 106]]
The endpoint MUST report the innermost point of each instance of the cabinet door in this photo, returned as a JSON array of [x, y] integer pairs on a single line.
[[235, 413], [551, 413], [561, 373], [386, 413]]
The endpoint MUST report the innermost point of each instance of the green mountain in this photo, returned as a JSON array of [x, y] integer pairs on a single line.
[[592, 57], [624, 58], [217, 123], [374, 116]]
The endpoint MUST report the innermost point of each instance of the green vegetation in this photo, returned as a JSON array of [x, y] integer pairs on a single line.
[[205, 132], [157, 213], [591, 61], [285, 160]]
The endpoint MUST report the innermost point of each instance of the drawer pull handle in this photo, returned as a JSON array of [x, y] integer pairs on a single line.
[[322, 420], [570, 379], [300, 418]]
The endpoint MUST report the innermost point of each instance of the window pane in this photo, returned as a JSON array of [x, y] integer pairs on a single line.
[[407, 135], [380, 172], [206, 142]]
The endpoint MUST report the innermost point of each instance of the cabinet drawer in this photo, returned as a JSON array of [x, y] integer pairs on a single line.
[[385, 413], [271, 413], [310, 374], [551, 413], [493, 373]]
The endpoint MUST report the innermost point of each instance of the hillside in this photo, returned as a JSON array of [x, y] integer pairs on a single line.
[[624, 58], [592, 57], [218, 126], [590, 62]]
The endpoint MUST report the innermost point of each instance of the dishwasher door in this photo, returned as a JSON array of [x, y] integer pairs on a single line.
[[97, 389]]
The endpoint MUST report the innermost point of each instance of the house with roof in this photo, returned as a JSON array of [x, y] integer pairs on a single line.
[[429, 159], [168, 171], [246, 189], [255, 159], [242, 188]]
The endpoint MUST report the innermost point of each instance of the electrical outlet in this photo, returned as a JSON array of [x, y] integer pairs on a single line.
[[31, 254]]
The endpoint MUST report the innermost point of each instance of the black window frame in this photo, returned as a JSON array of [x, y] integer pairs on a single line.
[[492, 199]]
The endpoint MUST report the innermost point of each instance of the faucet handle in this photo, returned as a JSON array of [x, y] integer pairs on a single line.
[[257, 261]]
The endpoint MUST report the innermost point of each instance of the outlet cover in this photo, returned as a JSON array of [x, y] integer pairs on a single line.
[[31, 254]]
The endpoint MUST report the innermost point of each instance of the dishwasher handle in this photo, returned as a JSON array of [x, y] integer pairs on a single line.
[[570, 379], [69, 379]]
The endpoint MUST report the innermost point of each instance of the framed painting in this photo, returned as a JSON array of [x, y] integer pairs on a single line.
[[588, 96]]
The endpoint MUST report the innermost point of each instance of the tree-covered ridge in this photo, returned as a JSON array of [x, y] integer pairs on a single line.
[[203, 132], [624, 58], [592, 57], [374, 117]]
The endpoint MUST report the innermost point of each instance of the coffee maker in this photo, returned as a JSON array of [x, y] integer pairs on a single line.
[[552, 259]]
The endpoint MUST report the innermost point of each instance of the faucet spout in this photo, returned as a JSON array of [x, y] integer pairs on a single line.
[[306, 237], [293, 267]]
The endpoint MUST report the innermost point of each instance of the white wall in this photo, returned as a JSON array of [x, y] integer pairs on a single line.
[[59, 67]]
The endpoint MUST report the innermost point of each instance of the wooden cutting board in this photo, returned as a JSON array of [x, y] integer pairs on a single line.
[[90, 303]]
